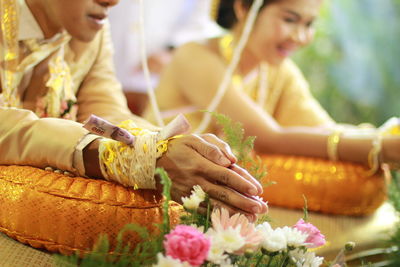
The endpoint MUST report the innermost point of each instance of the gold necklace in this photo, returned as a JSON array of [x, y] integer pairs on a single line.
[[226, 46]]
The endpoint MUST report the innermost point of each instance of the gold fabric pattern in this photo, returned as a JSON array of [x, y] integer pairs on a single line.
[[63, 214], [9, 51], [329, 187], [60, 96]]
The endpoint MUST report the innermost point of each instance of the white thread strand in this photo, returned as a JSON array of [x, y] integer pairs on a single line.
[[255, 7], [150, 90], [262, 86]]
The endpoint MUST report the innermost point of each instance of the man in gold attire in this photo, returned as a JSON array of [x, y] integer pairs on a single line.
[[57, 70]]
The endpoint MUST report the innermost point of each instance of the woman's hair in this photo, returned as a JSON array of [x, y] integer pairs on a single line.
[[226, 17]]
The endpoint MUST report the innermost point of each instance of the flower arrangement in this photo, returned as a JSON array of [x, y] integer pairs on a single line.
[[235, 241], [210, 240]]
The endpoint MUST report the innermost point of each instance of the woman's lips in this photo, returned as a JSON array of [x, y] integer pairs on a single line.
[[285, 52]]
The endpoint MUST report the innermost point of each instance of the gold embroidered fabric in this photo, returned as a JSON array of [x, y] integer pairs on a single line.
[[330, 187], [9, 49], [60, 97], [62, 214]]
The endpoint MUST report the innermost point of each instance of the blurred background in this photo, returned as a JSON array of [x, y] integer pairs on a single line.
[[353, 65]]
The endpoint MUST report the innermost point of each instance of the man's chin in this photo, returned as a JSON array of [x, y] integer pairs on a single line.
[[85, 37]]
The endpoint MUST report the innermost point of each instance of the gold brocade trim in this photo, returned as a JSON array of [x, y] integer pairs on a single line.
[[60, 98], [60, 85], [214, 9], [9, 51]]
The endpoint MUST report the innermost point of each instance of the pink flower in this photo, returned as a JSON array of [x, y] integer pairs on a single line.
[[315, 238], [186, 243], [221, 221]]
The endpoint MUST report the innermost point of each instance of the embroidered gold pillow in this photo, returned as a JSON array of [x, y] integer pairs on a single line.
[[62, 214], [329, 187]]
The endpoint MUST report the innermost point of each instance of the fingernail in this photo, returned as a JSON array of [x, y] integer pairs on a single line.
[[256, 209], [253, 191], [225, 161]]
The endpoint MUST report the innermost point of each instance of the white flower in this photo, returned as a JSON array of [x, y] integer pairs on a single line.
[[197, 196], [264, 227], [198, 191], [167, 261], [192, 202], [294, 237], [274, 240], [230, 239], [305, 259], [216, 254]]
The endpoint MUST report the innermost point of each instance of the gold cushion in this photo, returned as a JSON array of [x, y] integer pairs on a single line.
[[330, 187], [62, 214]]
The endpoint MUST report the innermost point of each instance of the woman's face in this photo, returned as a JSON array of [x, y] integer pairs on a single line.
[[80, 18], [281, 28]]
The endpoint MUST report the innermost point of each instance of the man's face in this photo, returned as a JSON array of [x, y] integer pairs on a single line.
[[82, 19]]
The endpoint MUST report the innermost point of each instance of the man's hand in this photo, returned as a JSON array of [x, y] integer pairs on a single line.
[[207, 161]]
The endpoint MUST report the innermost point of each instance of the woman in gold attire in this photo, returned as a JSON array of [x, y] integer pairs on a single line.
[[270, 97]]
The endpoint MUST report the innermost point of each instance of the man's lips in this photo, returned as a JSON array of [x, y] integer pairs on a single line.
[[99, 19]]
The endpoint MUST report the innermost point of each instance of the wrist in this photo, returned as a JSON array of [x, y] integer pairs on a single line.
[[91, 159]]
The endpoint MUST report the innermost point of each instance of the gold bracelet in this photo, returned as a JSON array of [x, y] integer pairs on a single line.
[[374, 155], [332, 145]]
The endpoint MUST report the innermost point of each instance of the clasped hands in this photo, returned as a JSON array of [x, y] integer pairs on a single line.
[[207, 161]]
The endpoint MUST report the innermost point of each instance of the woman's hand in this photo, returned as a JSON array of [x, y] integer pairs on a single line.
[[208, 162]]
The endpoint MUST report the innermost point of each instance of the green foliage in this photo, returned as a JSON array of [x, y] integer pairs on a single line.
[[394, 190], [394, 198], [123, 256], [241, 146], [234, 136], [352, 64], [166, 182], [305, 209]]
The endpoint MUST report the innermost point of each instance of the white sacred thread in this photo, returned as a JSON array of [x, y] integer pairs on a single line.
[[255, 7], [263, 84], [150, 90]]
